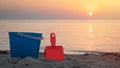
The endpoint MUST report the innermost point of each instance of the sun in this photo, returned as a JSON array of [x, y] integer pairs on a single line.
[[90, 14]]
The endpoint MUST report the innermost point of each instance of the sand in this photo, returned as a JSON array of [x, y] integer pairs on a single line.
[[103, 60]]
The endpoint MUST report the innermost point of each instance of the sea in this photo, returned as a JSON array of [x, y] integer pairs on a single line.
[[76, 36]]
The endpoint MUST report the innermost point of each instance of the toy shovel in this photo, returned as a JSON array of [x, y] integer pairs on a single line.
[[54, 52]]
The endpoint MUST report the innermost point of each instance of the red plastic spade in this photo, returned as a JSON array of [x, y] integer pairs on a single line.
[[54, 52]]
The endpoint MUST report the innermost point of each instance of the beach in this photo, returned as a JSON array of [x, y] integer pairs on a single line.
[[78, 37], [101, 60], [82, 33]]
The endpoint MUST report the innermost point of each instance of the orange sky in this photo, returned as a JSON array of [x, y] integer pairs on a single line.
[[76, 8]]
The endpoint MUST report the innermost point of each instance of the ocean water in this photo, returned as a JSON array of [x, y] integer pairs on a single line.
[[76, 36]]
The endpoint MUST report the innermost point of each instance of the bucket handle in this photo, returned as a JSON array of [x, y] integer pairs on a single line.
[[24, 35]]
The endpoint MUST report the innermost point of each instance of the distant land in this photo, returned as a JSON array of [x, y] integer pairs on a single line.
[[30, 15]]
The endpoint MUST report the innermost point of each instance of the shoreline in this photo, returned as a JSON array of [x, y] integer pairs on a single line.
[[103, 60], [85, 53]]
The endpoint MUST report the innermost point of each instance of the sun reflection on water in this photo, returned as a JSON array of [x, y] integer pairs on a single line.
[[90, 36]]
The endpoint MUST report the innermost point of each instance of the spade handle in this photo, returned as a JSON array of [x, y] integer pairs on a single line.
[[53, 39]]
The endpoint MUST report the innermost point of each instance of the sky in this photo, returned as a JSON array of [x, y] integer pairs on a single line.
[[59, 9]]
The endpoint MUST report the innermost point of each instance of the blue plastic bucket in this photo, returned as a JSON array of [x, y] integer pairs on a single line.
[[24, 44]]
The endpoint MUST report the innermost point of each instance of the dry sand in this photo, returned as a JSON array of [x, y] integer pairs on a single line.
[[103, 60]]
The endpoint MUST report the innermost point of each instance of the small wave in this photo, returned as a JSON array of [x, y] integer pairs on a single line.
[[82, 52]]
